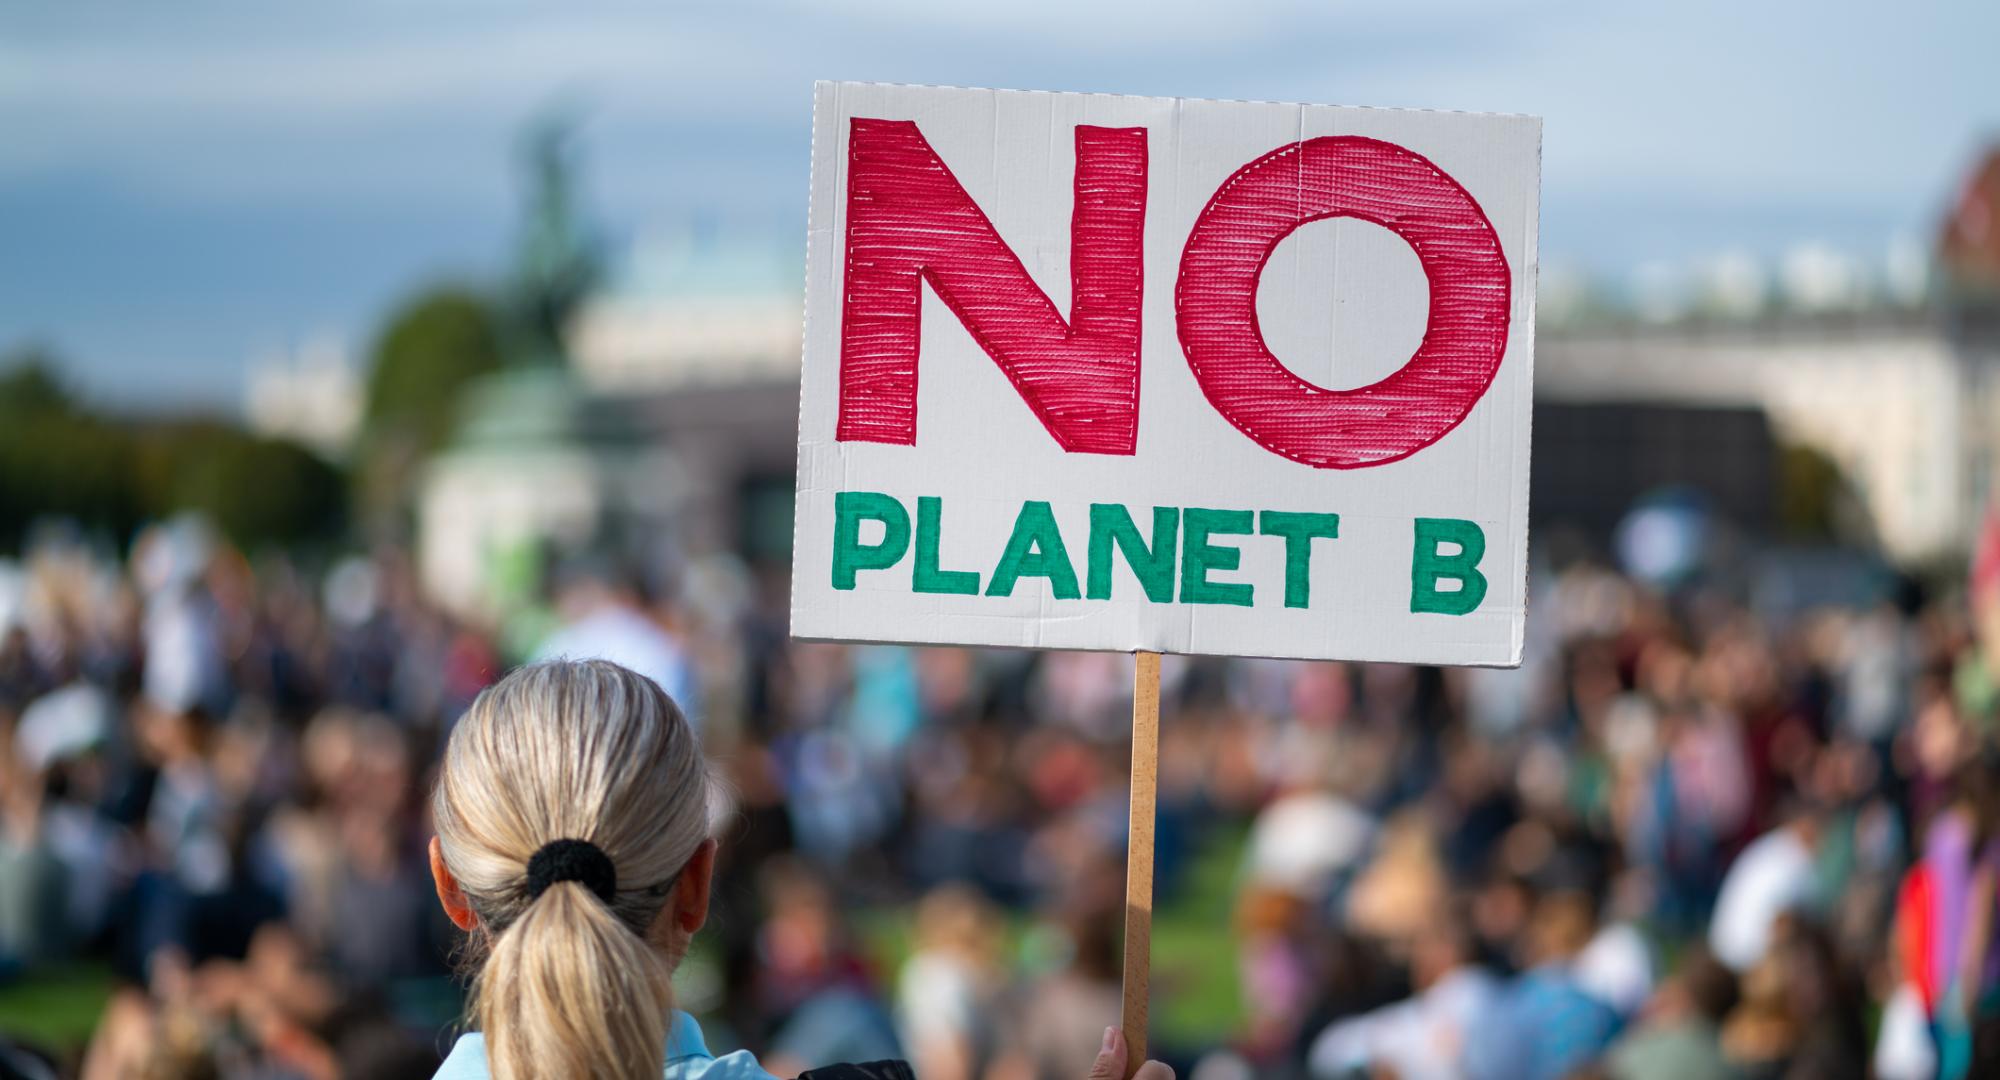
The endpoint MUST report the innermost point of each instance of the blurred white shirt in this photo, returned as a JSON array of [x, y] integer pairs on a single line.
[[1303, 841], [1772, 876], [1616, 968], [627, 638], [1422, 1038]]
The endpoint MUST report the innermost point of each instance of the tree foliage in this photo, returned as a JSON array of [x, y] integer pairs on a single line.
[[1816, 501], [60, 459], [431, 347]]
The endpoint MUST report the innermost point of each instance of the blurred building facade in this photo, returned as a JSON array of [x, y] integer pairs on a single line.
[[691, 350], [310, 393], [1884, 393], [669, 429], [703, 333], [1893, 380]]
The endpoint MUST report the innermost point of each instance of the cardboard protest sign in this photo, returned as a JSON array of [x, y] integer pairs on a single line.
[[1149, 374]]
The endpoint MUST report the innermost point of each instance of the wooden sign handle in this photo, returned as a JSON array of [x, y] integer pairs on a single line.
[[1139, 856]]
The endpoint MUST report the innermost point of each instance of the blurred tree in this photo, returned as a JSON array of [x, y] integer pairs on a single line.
[[256, 490], [1816, 501], [28, 384], [431, 347], [60, 459], [56, 461]]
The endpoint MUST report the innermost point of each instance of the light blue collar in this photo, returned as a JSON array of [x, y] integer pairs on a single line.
[[467, 1060], [684, 1039]]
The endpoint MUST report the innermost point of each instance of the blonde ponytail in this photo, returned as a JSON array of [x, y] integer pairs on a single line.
[[573, 984], [568, 990]]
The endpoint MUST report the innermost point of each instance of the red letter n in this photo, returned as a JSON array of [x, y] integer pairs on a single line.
[[908, 220]]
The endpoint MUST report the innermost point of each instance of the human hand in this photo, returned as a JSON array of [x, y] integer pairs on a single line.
[[1110, 1064]]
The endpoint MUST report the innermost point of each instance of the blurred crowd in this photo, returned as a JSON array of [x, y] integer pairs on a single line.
[[1684, 840]]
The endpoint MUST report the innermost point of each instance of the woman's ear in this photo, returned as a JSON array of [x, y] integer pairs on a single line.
[[456, 907], [690, 899]]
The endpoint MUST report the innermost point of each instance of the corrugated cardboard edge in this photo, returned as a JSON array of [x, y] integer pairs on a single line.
[[1218, 101], [1527, 465], [801, 490]]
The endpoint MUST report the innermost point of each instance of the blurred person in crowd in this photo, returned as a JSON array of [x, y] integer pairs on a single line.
[[1309, 841], [379, 900], [1276, 966], [1403, 887], [1617, 967], [1010, 815], [198, 894], [1945, 919], [1471, 805], [269, 1014], [1975, 676], [32, 889], [1064, 1012], [843, 796], [805, 949], [1862, 846], [185, 667], [600, 617], [948, 996], [1879, 660], [1775, 876], [1691, 804], [1355, 975], [754, 834], [60, 863], [301, 834], [819, 993], [1426, 1036], [1678, 1035], [1799, 1017], [1937, 746], [1544, 1025]]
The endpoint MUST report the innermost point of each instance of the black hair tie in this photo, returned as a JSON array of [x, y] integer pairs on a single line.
[[572, 860]]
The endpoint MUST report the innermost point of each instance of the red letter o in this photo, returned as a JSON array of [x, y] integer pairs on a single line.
[[1215, 301]]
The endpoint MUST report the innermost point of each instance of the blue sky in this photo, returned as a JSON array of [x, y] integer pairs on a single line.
[[185, 186]]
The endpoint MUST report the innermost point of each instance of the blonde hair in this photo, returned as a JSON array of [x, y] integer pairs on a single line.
[[572, 750]]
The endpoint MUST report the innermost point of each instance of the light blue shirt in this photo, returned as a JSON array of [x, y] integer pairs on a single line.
[[687, 1057]]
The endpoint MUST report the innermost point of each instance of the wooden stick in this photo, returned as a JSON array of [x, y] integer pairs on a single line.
[[1139, 856]]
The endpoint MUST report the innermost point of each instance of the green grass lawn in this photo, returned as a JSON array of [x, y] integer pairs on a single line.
[[1196, 996], [56, 1009]]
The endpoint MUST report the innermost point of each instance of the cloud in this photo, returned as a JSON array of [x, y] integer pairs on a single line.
[[233, 138], [240, 101]]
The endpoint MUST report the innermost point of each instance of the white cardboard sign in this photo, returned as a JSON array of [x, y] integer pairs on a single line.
[[1097, 372]]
